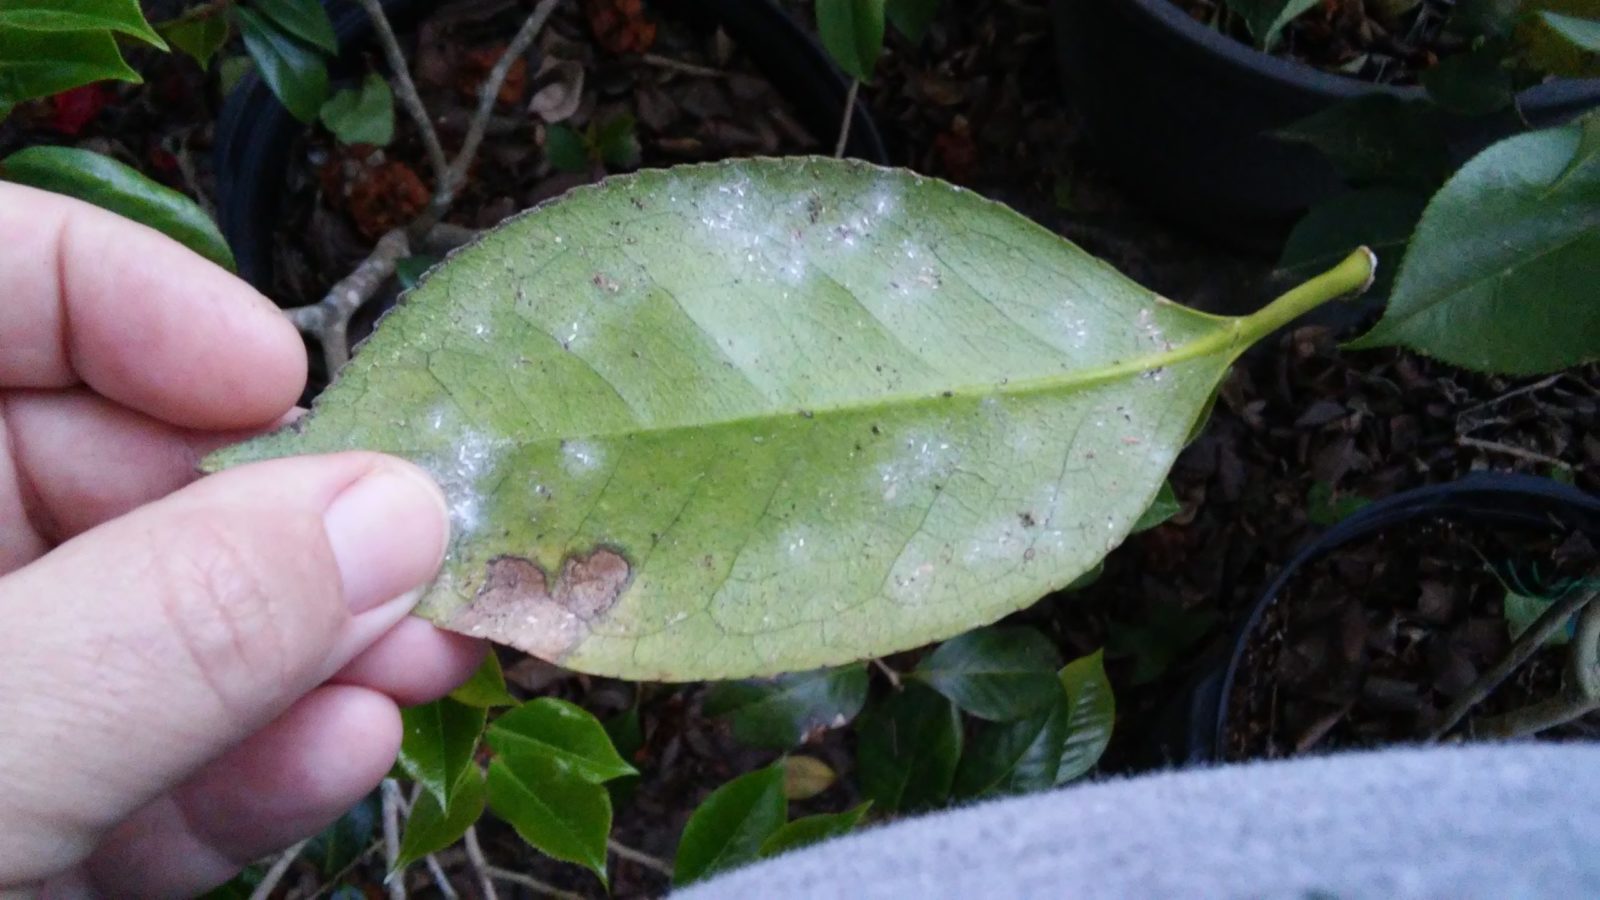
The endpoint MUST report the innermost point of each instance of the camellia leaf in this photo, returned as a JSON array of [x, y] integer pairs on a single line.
[[562, 731], [1092, 711], [1162, 508], [566, 149], [912, 17], [338, 845], [553, 807], [41, 63], [852, 30], [808, 830], [294, 72], [438, 743], [431, 828], [1266, 18], [805, 777], [730, 827], [1501, 274], [101, 180], [999, 673], [1016, 757], [1379, 218], [779, 712], [1379, 139], [1583, 33], [487, 686], [302, 19], [122, 16], [1475, 83], [364, 116], [200, 34], [771, 415], [907, 747]]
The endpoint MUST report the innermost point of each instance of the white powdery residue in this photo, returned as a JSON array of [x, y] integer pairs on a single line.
[[1003, 538], [763, 246], [464, 471], [793, 544], [911, 581], [580, 457], [1151, 330], [921, 461]]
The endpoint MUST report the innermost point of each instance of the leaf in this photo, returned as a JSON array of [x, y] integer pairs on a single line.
[[779, 712], [200, 34], [565, 149], [562, 731], [1379, 139], [912, 17], [340, 844], [101, 180], [773, 415], [487, 686], [616, 142], [364, 116], [627, 736], [439, 740], [1484, 18], [805, 777], [1475, 83], [38, 64], [553, 807], [1500, 275], [295, 73], [1015, 757], [1162, 508], [808, 830], [1553, 41], [730, 827], [1162, 638], [305, 20], [409, 271], [231, 70], [1380, 218], [1326, 507], [907, 747], [1522, 610], [431, 828], [852, 32], [1092, 712], [1266, 18], [999, 673], [1583, 33], [241, 887], [121, 16]]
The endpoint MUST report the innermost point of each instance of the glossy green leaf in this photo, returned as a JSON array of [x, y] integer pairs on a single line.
[[340, 844], [364, 116], [409, 271], [999, 673], [1378, 139], [565, 149], [617, 142], [293, 71], [912, 17], [1162, 508], [1266, 18], [40, 63], [439, 741], [487, 686], [773, 415], [730, 827], [231, 70], [562, 731], [109, 184], [200, 34], [1501, 274], [1583, 33], [808, 830], [779, 712], [304, 20], [1324, 506], [1475, 83], [121, 16], [1522, 610], [1380, 218], [1092, 712], [1015, 757], [553, 807], [626, 732], [907, 747], [431, 828], [852, 31]]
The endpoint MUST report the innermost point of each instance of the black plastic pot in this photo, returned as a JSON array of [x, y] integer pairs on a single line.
[[1183, 114], [1196, 728], [255, 133]]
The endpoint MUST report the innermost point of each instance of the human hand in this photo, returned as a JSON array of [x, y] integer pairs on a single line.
[[191, 675]]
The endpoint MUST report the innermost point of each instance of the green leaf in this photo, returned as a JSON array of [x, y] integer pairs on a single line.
[[1379, 218], [1092, 711], [241, 887], [121, 16], [440, 738], [566, 149], [998, 673], [41, 63], [1501, 273], [805, 777], [411, 269], [305, 20], [1475, 83], [730, 827], [1484, 18], [627, 736], [617, 143], [1266, 18], [773, 415], [231, 70], [5, 110], [1325, 507], [1015, 757], [364, 116], [1162, 508], [808, 830], [487, 686], [912, 17], [1563, 39], [294, 72], [431, 828], [553, 807], [109, 184], [1522, 610], [200, 34], [562, 731], [907, 747], [1161, 638], [779, 712], [852, 31], [1379, 139], [339, 845]]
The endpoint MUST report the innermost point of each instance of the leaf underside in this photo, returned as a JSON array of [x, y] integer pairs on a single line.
[[769, 415]]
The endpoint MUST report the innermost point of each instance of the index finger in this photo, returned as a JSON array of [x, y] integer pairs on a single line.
[[90, 297]]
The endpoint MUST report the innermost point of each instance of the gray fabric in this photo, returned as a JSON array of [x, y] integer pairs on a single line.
[[1508, 821]]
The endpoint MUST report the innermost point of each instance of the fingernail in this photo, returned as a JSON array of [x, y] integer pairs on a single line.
[[388, 532]]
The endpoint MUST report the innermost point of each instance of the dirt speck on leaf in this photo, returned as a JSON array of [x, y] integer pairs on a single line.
[[517, 605]]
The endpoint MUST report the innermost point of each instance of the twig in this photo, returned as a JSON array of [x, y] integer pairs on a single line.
[[678, 65], [396, 879], [440, 878], [1580, 692], [1515, 392], [531, 883], [1529, 643], [849, 114], [329, 319], [640, 857], [338, 876], [269, 881], [407, 90], [1508, 450], [892, 675], [479, 863]]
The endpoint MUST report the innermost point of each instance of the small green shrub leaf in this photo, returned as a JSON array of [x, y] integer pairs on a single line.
[[998, 673], [808, 830], [37, 64], [907, 747], [122, 16], [1378, 139], [912, 17], [566, 149], [1475, 83], [1583, 33], [805, 777], [200, 35], [487, 686], [1501, 274], [1266, 18], [617, 142], [553, 806], [1016, 757], [304, 20], [730, 827], [1522, 610], [562, 731], [340, 844], [1379, 218], [439, 740], [294, 72], [364, 116], [101, 180], [1162, 508], [779, 712], [852, 31], [431, 828], [1092, 712]]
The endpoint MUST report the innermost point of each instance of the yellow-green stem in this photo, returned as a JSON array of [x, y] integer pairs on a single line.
[[1352, 276]]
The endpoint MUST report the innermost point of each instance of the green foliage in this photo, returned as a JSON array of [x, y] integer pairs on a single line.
[[1091, 714], [1379, 139], [487, 686], [1474, 83], [1163, 507], [907, 749], [103, 181], [1583, 33], [808, 830], [120, 16], [409, 272], [431, 828], [852, 32], [779, 712], [1522, 610], [294, 71], [1266, 18], [37, 64], [565, 149], [998, 673], [439, 741], [1379, 218], [730, 827], [560, 731], [614, 143], [1159, 639], [338, 845], [303, 20], [361, 116], [911, 17], [200, 33], [1325, 507], [555, 807]]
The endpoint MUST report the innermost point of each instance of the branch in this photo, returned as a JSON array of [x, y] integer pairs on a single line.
[[479, 864], [849, 115], [396, 879], [269, 881], [329, 319], [623, 851], [531, 883], [407, 89]]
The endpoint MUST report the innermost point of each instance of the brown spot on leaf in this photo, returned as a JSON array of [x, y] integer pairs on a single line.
[[517, 605]]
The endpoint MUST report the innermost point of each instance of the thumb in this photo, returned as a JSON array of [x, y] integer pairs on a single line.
[[138, 651]]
